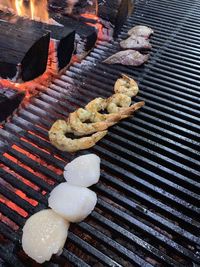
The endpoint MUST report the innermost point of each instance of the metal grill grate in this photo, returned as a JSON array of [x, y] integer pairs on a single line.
[[148, 196]]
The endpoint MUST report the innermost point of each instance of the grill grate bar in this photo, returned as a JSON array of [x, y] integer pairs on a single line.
[[148, 207], [88, 248], [143, 213], [131, 237], [149, 231], [103, 238], [142, 182], [122, 163]]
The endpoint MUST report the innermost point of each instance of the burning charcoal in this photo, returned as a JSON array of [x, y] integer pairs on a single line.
[[23, 53], [140, 30], [9, 100], [135, 42], [127, 57]]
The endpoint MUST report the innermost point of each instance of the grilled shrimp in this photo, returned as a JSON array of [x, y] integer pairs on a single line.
[[121, 103], [79, 122], [63, 143], [98, 104], [126, 86], [118, 102]]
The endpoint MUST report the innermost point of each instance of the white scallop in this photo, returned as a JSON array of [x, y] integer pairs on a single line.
[[83, 171], [74, 203], [44, 234]]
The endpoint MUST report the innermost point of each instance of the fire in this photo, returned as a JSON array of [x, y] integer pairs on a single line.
[[96, 23], [34, 9], [19, 7], [39, 84]]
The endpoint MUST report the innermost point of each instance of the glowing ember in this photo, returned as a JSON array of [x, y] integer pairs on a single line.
[[97, 25], [34, 9], [32, 88]]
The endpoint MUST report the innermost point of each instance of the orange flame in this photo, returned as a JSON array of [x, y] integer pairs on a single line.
[[34, 9], [97, 25]]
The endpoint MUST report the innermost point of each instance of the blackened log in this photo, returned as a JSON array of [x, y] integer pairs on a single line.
[[10, 100], [57, 6], [23, 54], [74, 8], [115, 11], [86, 36], [64, 36]]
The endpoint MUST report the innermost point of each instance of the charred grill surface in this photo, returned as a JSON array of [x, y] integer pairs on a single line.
[[9, 101], [148, 206]]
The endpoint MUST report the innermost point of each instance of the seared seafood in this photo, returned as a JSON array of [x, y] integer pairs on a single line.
[[126, 86], [95, 106], [83, 171], [131, 109], [90, 121], [100, 104], [135, 42], [79, 122], [63, 143], [141, 30], [118, 102], [73, 203], [128, 58], [44, 234]]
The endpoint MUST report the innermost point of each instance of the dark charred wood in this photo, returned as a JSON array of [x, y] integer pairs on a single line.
[[64, 36], [23, 54], [10, 100], [86, 36], [57, 6], [115, 11], [73, 8], [131, 7]]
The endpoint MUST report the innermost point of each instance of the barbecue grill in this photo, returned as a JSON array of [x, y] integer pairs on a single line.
[[148, 195]]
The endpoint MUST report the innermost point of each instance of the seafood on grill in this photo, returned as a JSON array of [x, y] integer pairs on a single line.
[[138, 40], [115, 105], [141, 30], [83, 171], [126, 86], [101, 104], [90, 121], [135, 42], [74, 203], [128, 58], [44, 234], [118, 102], [81, 121], [58, 138]]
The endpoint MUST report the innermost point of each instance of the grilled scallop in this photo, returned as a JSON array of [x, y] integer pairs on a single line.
[[44, 234], [83, 171], [74, 203]]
